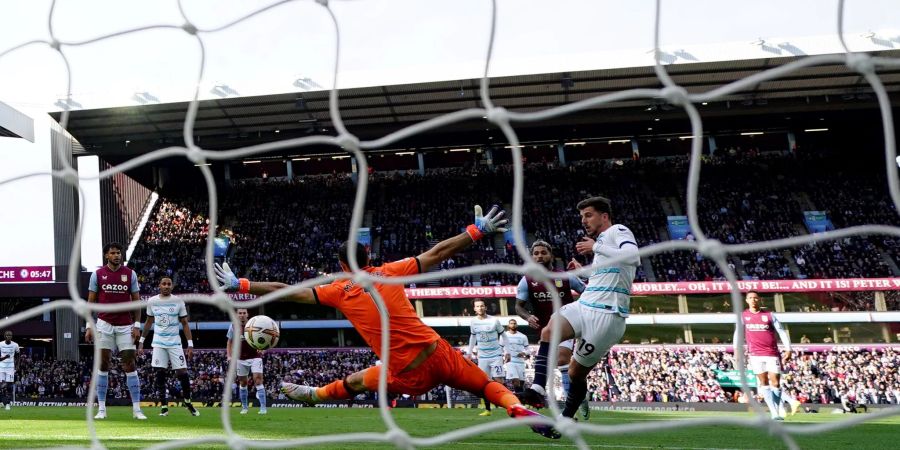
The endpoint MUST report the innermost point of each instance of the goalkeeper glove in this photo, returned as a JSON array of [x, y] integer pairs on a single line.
[[229, 281], [491, 223]]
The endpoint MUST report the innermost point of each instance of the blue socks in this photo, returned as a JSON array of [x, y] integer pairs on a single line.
[[776, 397], [134, 388], [102, 386], [131, 380], [242, 390], [769, 398], [261, 396]]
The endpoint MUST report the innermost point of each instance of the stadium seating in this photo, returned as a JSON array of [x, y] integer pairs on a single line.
[[289, 230]]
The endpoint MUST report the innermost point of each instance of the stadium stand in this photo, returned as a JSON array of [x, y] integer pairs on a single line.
[[283, 238]]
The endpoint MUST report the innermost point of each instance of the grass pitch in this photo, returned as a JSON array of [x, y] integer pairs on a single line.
[[51, 427]]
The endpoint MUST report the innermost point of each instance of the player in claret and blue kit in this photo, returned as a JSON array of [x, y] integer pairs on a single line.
[[760, 330], [116, 283], [250, 364]]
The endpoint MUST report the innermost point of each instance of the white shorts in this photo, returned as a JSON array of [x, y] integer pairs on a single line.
[[247, 366], [113, 337], [568, 343], [515, 370], [7, 376], [163, 356], [493, 367], [764, 364], [599, 331]]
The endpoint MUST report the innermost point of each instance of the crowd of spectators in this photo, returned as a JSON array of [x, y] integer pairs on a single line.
[[657, 374], [872, 377], [281, 230]]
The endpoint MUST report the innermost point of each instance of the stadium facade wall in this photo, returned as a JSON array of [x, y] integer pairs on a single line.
[[122, 202], [65, 201]]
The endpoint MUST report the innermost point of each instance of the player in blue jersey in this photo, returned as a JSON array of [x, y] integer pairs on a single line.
[[515, 350], [597, 319], [165, 318], [485, 337], [9, 350], [534, 303]]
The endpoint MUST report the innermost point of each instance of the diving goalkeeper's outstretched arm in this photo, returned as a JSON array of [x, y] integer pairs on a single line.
[[232, 283], [484, 225], [487, 225]]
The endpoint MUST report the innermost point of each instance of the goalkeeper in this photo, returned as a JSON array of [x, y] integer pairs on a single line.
[[419, 359]]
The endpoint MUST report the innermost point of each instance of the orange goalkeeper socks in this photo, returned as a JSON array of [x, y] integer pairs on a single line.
[[333, 391], [498, 394]]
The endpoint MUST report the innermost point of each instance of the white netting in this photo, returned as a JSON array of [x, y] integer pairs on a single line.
[[864, 64]]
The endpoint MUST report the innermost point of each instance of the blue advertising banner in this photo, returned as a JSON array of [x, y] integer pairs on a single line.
[[678, 227], [817, 221], [365, 237]]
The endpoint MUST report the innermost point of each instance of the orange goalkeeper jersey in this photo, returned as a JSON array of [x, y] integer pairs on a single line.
[[408, 334]]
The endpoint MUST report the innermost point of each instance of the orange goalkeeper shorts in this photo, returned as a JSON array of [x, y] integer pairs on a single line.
[[444, 366]]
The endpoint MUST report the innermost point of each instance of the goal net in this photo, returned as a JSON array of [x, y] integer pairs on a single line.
[[865, 65]]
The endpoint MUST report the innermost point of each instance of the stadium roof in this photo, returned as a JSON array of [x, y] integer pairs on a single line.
[[15, 124], [374, 111]]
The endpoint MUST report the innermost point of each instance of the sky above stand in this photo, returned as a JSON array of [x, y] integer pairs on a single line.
[[386, 42]]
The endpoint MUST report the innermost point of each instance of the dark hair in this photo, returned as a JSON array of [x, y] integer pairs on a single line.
[[601, 204], [746, 294], [362, 256], [542, 243], [112, 245], [166, 278]]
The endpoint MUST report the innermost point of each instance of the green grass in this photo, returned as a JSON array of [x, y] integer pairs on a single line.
[[47, 427]]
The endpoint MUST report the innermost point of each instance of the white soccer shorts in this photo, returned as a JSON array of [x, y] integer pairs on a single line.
[[497, 369], [515, 370], [488, 366], [112, 337], [764, 364], [568, 343], [598, 329], [7, 376], [163, 356], [247, 366]]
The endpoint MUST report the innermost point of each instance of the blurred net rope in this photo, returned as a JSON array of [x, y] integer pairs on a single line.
[[864, 64]]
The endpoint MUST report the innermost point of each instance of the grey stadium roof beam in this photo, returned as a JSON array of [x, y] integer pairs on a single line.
[[371, 112], [15, 124]]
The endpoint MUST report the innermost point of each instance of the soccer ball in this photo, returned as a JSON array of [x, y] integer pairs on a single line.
[[261, 332]]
